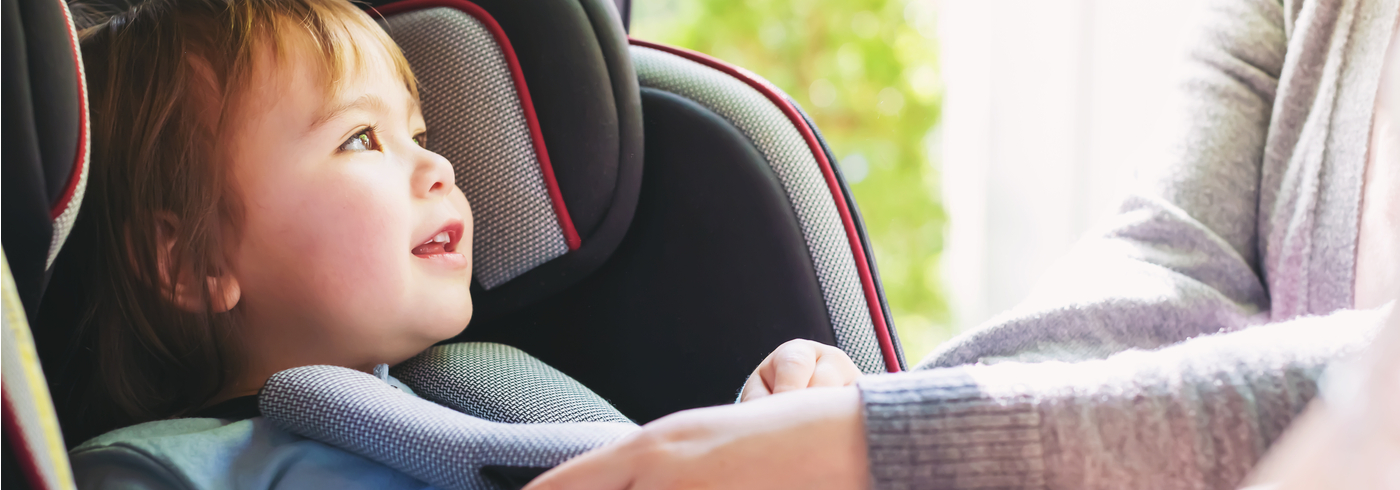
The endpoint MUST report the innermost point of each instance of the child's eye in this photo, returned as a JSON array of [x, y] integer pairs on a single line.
[[362, 141], [421, 139]]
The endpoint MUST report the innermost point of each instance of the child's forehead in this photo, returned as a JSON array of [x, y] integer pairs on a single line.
[[338, 67], [353, 100], [311, 79]]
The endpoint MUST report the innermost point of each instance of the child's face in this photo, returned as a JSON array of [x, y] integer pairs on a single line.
[[336, 260]]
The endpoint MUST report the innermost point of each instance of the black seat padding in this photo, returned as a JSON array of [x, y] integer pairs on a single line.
[[711, 277], [713, 271], [42, 127]]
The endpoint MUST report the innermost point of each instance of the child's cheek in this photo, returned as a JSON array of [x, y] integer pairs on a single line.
[[349, 247], [367, 243], [459, 201]]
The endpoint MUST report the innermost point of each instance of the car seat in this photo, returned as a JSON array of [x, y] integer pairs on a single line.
[[44, 177], [662, 277], [657, 279]]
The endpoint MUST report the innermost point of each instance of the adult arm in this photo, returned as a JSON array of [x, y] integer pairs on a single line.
[[1173, 379], [1349, 437], [810, 439], [1173, 418], [1198, 414]]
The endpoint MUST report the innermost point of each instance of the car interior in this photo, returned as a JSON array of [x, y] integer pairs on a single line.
[[638, 209]]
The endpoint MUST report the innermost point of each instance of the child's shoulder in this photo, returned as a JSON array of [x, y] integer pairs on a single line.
[[161, 430], [217, 454], [177, 453]]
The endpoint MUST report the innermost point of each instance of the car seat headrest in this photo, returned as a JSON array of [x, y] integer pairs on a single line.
[[536, 105], [481, 119], [45, 156]]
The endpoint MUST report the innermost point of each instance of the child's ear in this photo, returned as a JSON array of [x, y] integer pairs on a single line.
[[224, 291]]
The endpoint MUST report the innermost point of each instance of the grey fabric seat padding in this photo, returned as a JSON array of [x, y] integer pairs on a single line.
[[478, 122], [500, 383], [536, 105], [360, 413]]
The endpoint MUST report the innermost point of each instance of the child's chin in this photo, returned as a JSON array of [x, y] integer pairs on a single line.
[[453, 327], [455, 331]]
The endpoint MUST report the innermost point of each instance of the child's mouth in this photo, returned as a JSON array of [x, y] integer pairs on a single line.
[[441, 243]]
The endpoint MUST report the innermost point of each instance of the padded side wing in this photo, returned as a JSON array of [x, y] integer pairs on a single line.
[[836, 251], [500, 383], [45, 176], [46, 154]]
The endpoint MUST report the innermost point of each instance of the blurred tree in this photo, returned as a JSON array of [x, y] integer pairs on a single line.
[[867, 73]]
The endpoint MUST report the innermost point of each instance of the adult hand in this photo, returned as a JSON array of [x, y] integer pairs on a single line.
[[809, 439], [799, 364]]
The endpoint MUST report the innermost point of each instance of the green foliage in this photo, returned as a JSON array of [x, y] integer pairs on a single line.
[[867, 72]]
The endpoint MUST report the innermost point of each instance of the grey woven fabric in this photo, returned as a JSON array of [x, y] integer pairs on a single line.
[[502, 384], [775, 137], [476, 121], [63, 224], [359, 413]]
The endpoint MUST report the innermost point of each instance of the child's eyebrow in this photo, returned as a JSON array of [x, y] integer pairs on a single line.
[[367, 102]]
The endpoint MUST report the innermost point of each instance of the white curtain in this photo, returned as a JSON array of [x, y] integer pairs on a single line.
[[1049, 105]]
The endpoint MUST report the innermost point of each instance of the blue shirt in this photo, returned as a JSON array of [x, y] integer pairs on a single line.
[[231, 449], [208, 453]]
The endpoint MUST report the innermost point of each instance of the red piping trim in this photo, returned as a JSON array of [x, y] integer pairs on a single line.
[[867, 281], [25, 454], [79, 158], [556, 198]]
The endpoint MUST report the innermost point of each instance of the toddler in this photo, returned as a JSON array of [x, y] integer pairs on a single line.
[[262, 198]]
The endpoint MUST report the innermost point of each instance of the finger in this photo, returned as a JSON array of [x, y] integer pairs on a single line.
[[834, 368], [606, 468], [754, 388], [767, 372], [830, 373], [793, 364]]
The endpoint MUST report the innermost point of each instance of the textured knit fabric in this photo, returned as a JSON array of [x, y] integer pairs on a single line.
[[448, 449], [479, 124], [63, 222], [1175, 343], [332, 427], [500, 383]]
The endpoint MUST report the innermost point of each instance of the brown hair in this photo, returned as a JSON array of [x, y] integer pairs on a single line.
[[165, 80]]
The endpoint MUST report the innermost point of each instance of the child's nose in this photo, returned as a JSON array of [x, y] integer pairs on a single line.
[[433, 174]]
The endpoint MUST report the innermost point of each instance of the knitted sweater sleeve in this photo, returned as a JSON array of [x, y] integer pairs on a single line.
[[1145, 358], [1197, 414]]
